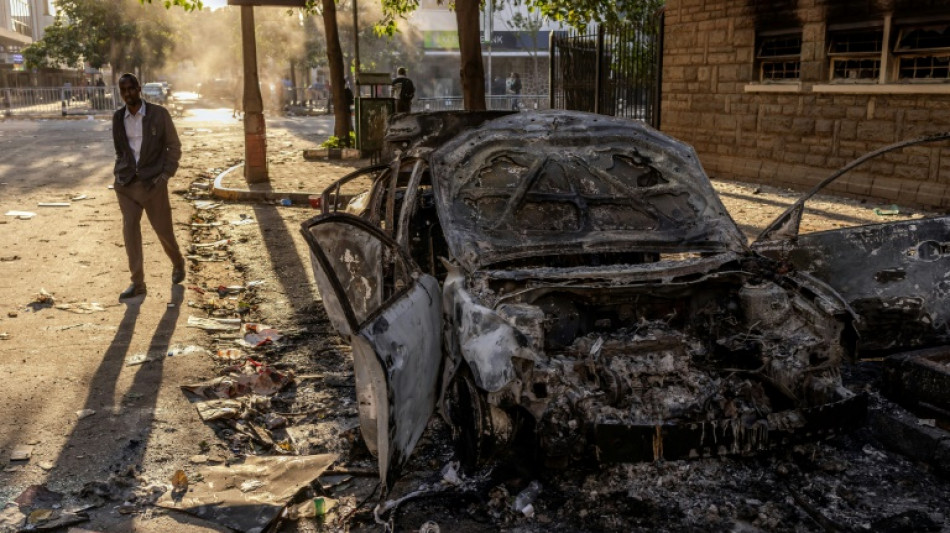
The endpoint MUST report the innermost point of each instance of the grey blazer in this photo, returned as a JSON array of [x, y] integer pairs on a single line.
[[160, 151]]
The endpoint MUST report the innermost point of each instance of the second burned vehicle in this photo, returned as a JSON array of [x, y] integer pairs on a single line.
[[573, 278]]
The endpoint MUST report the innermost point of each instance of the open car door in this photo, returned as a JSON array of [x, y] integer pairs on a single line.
[[895, 276], [375, 295]]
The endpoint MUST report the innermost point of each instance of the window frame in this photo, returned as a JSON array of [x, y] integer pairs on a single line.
[[835, 30], [761, 60], [902, 27]]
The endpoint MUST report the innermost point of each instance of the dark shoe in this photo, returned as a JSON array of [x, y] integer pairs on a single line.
[[178, 274], [133, 291]]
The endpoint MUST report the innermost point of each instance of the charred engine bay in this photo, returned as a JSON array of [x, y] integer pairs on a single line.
[[717, 359]]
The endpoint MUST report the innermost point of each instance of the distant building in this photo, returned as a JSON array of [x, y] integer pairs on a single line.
[[512, 50], [787, 91], [21, 23]]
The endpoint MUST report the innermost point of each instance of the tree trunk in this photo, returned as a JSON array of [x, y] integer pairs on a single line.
[[470, 49], [341, 112]]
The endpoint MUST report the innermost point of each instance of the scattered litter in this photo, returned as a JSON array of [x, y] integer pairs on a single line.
[[929, 422], [231, 355], [889, 211], [170, 306], [218, 497], [202, 259], [256, 335], [429, 527], [198, 459], [39, 509], [285, 202], [450, 473], [21, 452], [233, 289], [214, 324], [186, 350], [222, 242], [241, 380], [47, 465], [83, 308], [314, 508], [251, 485], [177, 350], [525, 499], [85, 413], [53, 204], [242, 222], [38, 496], [4, 336], [274, 421], [79, 197], [111, 187], [255, 283], [141, 358], [22, 215], [44, 298], [205, 204], [179, 481], [12, 314], [219, 409]]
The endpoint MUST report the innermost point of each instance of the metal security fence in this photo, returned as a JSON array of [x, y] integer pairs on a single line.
[[521, 102], [52, 101], [614, 72]]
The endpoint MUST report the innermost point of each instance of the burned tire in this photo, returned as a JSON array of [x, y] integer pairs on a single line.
[[479, 430]]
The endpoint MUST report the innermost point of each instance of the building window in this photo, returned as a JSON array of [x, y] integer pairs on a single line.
[[855, 55], [923, 53], [779, 56], [20, 19]]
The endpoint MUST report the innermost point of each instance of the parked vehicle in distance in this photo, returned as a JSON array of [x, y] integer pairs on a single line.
[[155, 92], [576, 277]]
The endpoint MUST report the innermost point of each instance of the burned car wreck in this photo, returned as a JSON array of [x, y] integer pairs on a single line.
[[573, 278]]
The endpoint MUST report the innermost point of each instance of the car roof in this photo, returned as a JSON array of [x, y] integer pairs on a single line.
[[564, 182]]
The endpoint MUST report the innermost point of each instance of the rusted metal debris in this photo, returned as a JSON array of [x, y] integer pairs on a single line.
[[576, 277]]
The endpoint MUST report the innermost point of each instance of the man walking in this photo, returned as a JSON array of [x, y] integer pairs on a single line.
[[403, 91], [513, 84], [147, 151]]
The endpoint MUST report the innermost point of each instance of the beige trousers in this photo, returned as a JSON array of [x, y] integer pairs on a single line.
[[153, 199]]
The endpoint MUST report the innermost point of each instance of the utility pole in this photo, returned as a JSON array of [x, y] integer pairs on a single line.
[[255, 132]]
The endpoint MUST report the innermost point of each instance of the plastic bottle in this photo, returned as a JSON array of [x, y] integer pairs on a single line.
[[524, 500]]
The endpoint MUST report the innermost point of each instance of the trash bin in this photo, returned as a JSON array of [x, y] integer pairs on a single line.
[[372, 111]]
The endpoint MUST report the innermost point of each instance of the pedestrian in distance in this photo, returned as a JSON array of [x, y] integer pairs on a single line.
[[403, 91], [513, 85], [147, 151]]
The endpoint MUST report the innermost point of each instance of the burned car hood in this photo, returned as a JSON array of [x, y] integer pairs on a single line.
[[561, 183]]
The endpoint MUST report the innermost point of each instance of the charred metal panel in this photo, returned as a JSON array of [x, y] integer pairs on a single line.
[[557, 183], [920, 378], [895, 276], [622, 443], [407, 342], [356, 259], [427, 130], [486, 341]]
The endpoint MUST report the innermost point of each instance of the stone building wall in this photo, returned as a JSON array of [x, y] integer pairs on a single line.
[[795, 133]]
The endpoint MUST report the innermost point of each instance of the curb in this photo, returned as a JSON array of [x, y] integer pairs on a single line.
[[53, 117], [227, 193]]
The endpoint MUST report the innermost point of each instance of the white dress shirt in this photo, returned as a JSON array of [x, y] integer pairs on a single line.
[[133, 130]]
